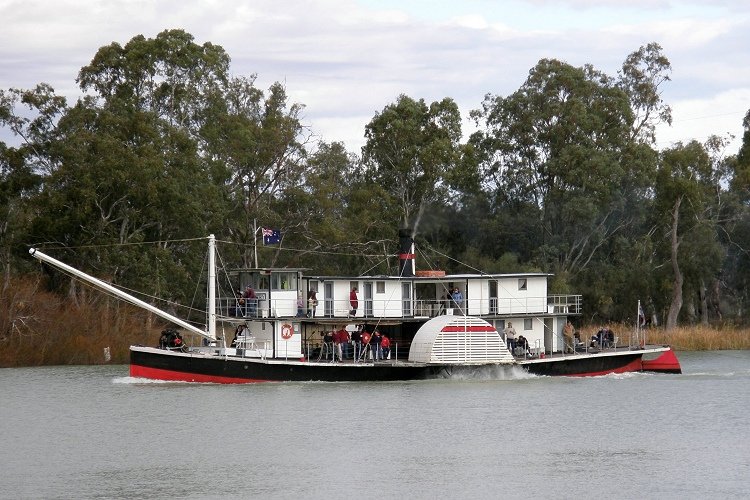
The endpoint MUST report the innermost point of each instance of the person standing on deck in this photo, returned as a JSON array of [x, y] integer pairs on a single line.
[[510, 337], [312, 303], [385, 345], [568, 332], [458, 299], [357, 342], [251, 301], [375, 345], [340, 338], [353, 302]]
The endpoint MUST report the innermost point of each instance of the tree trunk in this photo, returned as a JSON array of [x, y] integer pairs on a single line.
[[676, 305], [704, 303]]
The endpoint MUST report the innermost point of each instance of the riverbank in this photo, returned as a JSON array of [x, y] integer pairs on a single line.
[[684, 338]]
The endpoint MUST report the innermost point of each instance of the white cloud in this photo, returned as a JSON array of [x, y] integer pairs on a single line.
[[346, 60]]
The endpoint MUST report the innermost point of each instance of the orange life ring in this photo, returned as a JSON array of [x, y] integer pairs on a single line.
[[286, 331]]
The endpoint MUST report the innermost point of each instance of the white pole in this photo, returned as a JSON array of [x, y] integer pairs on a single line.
[[117, 292], [212, 286], [255, 241]]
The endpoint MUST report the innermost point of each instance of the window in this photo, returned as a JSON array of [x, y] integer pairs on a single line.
[[380, 287], [353, 285], [522, 283], [314, 286], [284, 281], [528, 324]]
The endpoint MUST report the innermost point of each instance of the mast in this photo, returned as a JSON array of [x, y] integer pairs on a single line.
[[211, 286], [124, 296]]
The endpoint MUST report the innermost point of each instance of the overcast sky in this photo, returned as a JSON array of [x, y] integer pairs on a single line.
[[347, 59]]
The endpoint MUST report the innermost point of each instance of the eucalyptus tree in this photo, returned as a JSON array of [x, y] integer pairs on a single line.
[[411, 150], [688, 184], [255, 142], [30, 116], [557, 144]]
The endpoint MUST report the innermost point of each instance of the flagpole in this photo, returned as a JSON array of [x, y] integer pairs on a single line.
[[255, 241]]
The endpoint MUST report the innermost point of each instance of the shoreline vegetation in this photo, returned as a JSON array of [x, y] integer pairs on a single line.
[[41, 328]]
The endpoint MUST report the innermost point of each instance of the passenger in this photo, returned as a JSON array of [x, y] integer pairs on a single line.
[[458, 299], [353, 302], [340, 339], [327, 342], [357, 342], [251, 301], [366, 337], [300, 306], [312, 303], [568, 332], [375, 345], [510, 336], [385, 346], [523, 346]]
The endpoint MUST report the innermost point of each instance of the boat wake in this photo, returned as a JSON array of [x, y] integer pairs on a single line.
[[490, 372]]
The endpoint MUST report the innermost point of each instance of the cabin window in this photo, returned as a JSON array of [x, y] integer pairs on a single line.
[[380, 287], [314, 286], [284, 281], [353, 285], [522, 283], [528, 324]]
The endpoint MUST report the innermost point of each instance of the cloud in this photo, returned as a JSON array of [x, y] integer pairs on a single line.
[[346, 60]]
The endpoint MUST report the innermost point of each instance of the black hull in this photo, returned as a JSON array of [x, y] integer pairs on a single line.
[[167, 365]]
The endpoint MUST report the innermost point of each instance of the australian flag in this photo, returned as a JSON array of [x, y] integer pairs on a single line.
[[271, 236]]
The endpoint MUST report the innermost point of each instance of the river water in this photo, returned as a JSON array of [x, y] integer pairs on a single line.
[[93, 432]]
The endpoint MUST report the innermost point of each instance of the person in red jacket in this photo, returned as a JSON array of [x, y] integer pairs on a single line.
[[340, 338], [353, 302], [385, 346]]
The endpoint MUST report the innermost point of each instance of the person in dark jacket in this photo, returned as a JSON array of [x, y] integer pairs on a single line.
[[377, 351]]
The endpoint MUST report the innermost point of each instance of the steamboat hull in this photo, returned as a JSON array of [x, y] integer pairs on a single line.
[[159, 364]]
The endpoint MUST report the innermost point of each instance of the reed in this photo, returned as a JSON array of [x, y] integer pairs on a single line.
[[684, 338]]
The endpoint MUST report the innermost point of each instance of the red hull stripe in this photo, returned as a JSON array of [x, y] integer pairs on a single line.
[[406, 256], [175, 376], [667, 362], [633, 366], [479, 328]]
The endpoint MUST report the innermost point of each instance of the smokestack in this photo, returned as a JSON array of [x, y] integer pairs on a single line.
[[405, 253]]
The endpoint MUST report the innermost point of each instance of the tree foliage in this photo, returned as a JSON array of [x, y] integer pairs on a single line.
[[562, 176]]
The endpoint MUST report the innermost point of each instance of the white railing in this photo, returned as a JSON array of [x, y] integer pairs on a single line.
[[399, 308]]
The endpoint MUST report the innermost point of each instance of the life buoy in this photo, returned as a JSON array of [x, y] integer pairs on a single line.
[[286, 331]]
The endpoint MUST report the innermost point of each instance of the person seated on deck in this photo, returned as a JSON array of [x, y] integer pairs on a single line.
[[608, 339], [522, 346], [240, 331]]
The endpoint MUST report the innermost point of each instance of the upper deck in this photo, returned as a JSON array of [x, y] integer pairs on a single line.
[[285, 293]]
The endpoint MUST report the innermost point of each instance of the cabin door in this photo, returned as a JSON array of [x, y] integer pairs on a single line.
[[328, 302], [368, 298], [549, 336], [493, 297], [406, 299]]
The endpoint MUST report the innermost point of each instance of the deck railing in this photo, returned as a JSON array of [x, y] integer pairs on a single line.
[[417, 308]]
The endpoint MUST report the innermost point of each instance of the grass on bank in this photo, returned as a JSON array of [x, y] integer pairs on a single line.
[[684, 338]]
